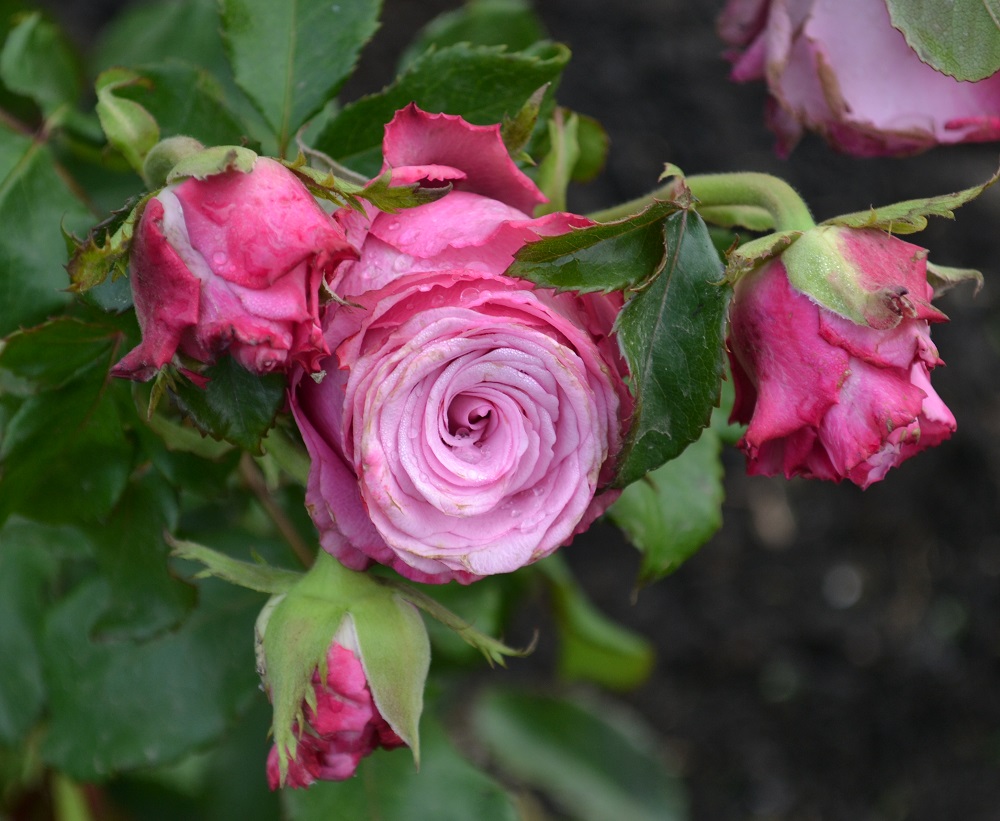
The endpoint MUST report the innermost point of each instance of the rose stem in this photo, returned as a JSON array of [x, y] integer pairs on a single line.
[[254, 479]]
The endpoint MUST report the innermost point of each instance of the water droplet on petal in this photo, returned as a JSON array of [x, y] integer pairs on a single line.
[[220, 258]]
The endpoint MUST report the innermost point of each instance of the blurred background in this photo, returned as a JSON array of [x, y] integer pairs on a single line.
[[830, 653]]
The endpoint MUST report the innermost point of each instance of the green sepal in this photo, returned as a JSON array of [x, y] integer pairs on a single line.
[[105, 248], [942, 278], [751, 255], [215, 160], [751, 217], [253, 576], [516, 131], [379, 192], [129, 127], [910, 216], [392, 646], [556, 170]]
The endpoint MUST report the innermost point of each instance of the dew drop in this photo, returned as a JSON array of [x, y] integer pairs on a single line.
[[392, 226], [469, 294], [402, 262], [220, 258], [438, 301], [515, 513]]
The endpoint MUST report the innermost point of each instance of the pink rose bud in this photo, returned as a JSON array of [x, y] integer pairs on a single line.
[[468, 422], [343, 727], [839, 67], [825, 396], [231, 262]]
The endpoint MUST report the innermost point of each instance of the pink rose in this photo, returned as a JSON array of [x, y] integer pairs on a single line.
[[343, 728], [839, 67], [468, 422], [826, 397], [232, 262]]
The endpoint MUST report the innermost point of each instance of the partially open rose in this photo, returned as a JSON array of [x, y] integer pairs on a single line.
[[827, 397], [232, 263], [468, 422], [839, 67]]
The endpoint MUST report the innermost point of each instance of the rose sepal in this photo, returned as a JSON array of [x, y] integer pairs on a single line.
[[331, 603], [257, 576]]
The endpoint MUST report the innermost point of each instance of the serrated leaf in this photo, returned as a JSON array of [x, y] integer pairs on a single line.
[[117, 706], [960, 37], [510, 23], [611, 256], [235, 405], [104, 250], [34, 202], [911, 216], [26, 572], [379, 191], [66, 436], [481, 84], [36, 61], [591, 646], [388, 787], [594, 762], [672, 336], [144, 598], [673, 510], [292, 57]]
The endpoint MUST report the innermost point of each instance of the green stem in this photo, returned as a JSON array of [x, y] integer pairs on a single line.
[[773, 195]]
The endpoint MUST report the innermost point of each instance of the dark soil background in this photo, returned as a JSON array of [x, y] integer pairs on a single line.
[[831, 654]]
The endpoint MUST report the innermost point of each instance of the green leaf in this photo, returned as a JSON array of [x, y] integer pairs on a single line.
[[960, 38], [34, 201], [911, 216], [388, 787], [594, 143], [36, 61], [143, 597], [292, 57], [673, 510], [591, 646], [379, 192], [481, 84], [236, 405], [611, 256], [122, 705], [26, 572], [672, 336], [510, 23], [594, 765], [65, 439]]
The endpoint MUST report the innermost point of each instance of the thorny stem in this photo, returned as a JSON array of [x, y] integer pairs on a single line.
[[254, 479]]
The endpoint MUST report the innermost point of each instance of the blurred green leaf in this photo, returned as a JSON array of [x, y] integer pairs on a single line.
[[292, 58], [34, 201], [144, 598], [594, 142], [66, 436], [389, 788], [121, 705], [604, 257], [482, 84], [510, 23], [595, 766], [26, 572], [673, 510], [36, 62], [960, 37], [672, 335], [591, 646], [236, 405]]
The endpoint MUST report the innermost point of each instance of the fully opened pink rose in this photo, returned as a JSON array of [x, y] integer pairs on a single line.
[[839, 67], [234, 263], [468, 422], [828, 397], [342, 728]]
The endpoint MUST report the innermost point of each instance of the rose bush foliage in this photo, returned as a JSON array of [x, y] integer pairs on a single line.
[[234, 263], [838, 67], [828, 397], [467, 423]]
